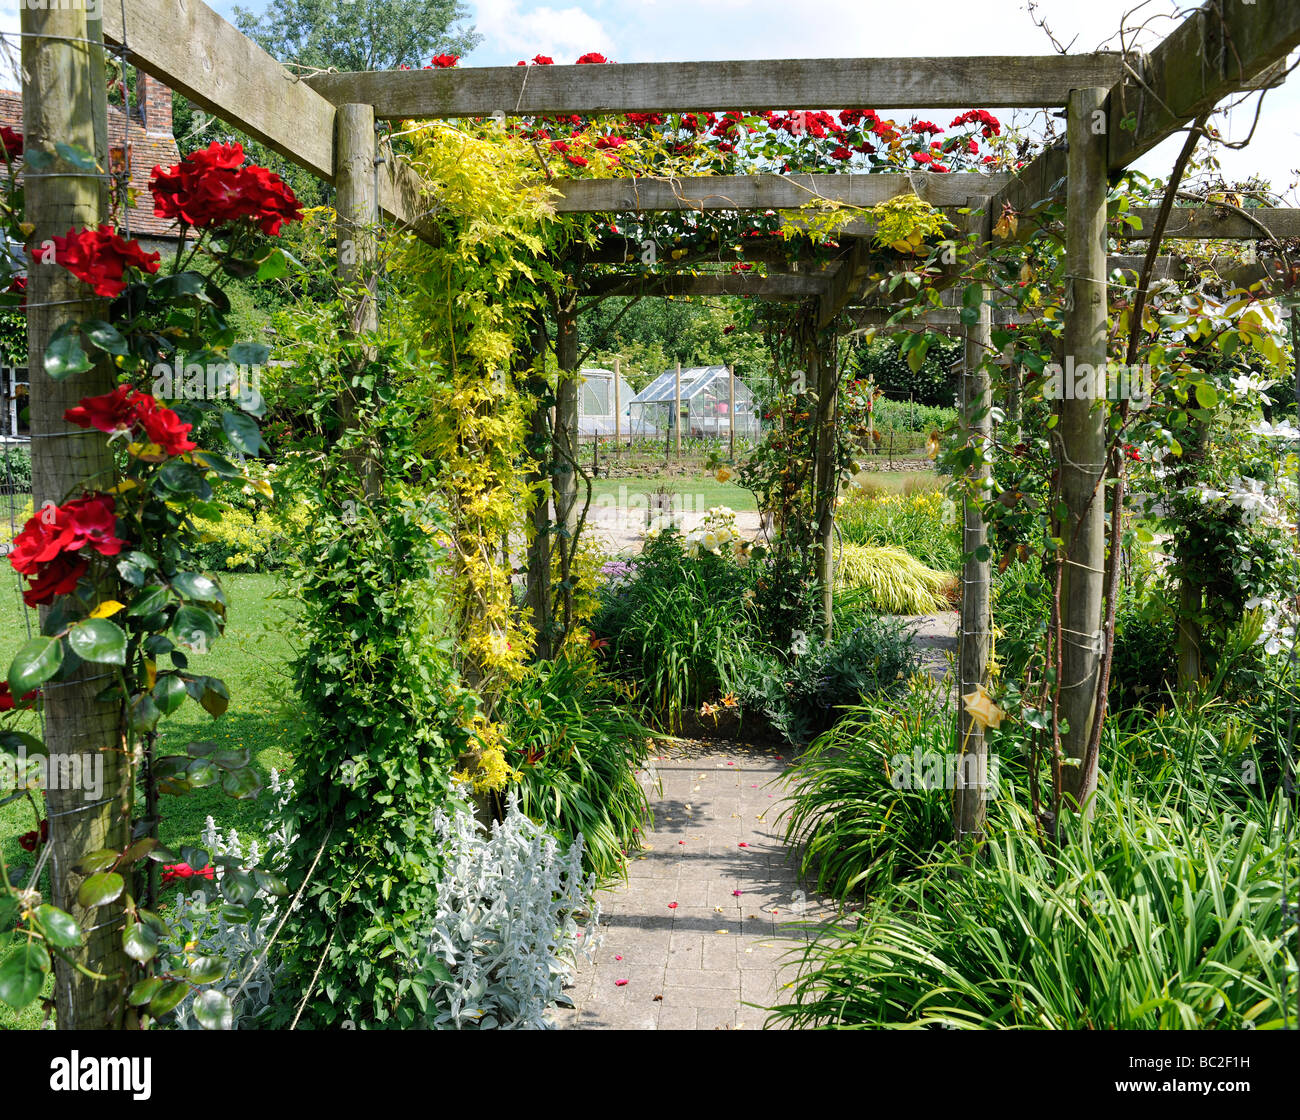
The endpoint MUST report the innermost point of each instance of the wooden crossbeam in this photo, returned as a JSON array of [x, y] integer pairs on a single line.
[[191, 49], [844, 283], [1005, 81], [781, 287], [767, 192], [1219, 49], [1207, 223]]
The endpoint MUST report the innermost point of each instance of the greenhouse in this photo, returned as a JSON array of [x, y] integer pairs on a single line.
[[706, 395], [598, 402]]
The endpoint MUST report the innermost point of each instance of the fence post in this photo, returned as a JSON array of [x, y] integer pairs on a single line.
[[677, 412], [731, 413], [618, 404], [1081, 442], [61, 104]]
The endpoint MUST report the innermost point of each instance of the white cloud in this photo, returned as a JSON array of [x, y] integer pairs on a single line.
[[518, 30]]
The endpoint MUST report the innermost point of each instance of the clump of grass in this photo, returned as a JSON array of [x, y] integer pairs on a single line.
[[893, 580]]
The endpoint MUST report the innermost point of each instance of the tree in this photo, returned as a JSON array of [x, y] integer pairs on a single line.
[[345, 35]]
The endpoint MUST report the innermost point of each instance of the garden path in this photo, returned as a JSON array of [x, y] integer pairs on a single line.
[[713, 916]]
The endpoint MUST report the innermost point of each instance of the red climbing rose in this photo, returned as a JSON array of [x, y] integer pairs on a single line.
[[50, 549], [100, 258], [13, 142], [210, 188], [444, 61], [124, 409], [592, 57]]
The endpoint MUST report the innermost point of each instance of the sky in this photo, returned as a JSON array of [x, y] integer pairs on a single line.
[[705, 30]]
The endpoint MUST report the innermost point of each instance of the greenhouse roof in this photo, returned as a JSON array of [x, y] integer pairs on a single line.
[[694, 381]]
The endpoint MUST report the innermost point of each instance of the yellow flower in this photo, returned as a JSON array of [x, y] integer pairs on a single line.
[[981, 708], [722, 474]]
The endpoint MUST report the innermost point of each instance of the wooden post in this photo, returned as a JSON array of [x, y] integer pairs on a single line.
[[822, 373], [731, 413], [566, 418], [618, 406], [1081, 443], [969, 787], [61, 103], [531, 365], [677, 412], [357, 216]]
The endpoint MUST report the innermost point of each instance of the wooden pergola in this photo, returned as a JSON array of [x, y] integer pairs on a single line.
[[1116, 108]]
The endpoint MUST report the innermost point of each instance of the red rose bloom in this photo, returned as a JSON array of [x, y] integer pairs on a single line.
[[124, 409], [100, 257], [841, 153], [13, 142], [209, 189], [173, 872], [591, 58], [49, 550], [542, 60], [444, 61], [28, 840], [7, 702]]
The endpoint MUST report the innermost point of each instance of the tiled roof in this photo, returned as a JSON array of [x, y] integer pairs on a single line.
[[148, 141]]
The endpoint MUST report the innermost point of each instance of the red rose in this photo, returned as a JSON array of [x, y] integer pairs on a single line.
[[13, 142], [125, 408], [577, 161], [444, 61], [841, 153], [48, 551], [28, 840], [542, 60], [7, 702], [592, 58], [922, 157], [209, 189], [100, 257], [174, 871]]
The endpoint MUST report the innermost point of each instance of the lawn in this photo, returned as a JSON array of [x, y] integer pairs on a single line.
[[252, 658]]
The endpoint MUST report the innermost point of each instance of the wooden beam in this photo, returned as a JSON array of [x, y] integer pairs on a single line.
[[1035, 187], [1211, 222], [844, 283], [191, 49], [1204, 59], [187, 46], [1004, 81], [779, 286], [766, 192]]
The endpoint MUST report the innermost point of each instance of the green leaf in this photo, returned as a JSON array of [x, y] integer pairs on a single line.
[[197, 858], [171, 994], [23, 974], [195, 626], [241, 784], [1207, 396], [105, 336], [59, 928], [182, 478], [99, 889], [242, 432], [238, 887], [204, 970], [250, 353], [76, 155], [34, 664], [169, 693], [150, 600], [273, 267], [64, 355], [270, 883], [99, 640], [144, 991], [99, 860], [213, 1012], [197, 587], [140, 942]]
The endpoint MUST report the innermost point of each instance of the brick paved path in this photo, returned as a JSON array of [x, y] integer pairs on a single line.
[[716, 852]]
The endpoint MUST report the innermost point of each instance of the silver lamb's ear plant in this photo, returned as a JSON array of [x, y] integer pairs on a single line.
[[507, 932]]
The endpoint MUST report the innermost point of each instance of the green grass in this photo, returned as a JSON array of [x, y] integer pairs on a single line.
[[252, 658]]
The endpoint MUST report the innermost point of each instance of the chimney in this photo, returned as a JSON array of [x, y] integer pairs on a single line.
[[156, 101]]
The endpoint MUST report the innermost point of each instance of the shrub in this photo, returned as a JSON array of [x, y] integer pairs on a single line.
[[505, 930], [15, 469], [679, 625], [923, 523], [576, 744], [1139, 922], [807, 696], [857, 823], [895, 581]]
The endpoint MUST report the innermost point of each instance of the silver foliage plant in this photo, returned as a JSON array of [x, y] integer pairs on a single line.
[[508, 928], [200, 929]]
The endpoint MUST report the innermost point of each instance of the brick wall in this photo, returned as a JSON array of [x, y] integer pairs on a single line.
[[146, 136]]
